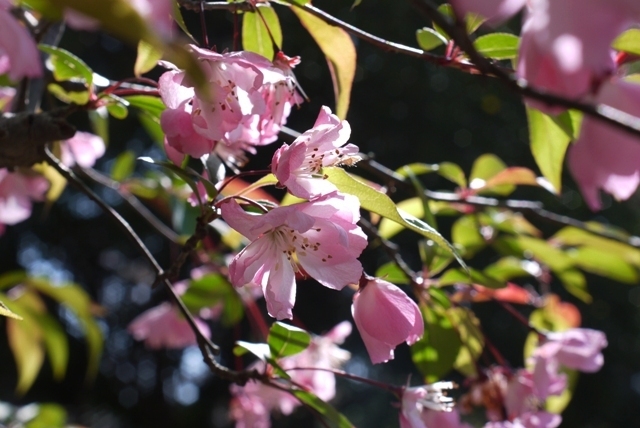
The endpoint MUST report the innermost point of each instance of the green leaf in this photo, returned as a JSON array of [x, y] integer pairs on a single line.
[[604, 263], [285, 340], [468, 327], [392, 273], [538, 249], [117, 110], [466, 236], [429, 39], [434, 258], [45, 7], [187, 176], [452, 172], [437, 350], [11, 278], [379, 203], [99, 119], [50, 415], [571, 236], [447, 11], [147, 58], [260, 350], [67, 66], [629, 41], [508, 268], [485, 167], [575, 283], [417, 169], [151, 105], [55, 342], [256, 37], [459, 276], [213, 289], [25, 341], [123, 166], [388, 228], [177, 16], [337, 46], [74, 297], [549, 139], [498, 45], [6, 312], [69, 97], [329, 414]]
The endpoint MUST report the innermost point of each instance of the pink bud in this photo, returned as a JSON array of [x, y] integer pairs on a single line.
[[385, 317]]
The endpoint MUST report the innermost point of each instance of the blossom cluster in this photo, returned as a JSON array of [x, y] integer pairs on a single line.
[[246, 101], [566, 49]]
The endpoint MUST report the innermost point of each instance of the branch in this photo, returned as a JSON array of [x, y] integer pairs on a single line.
[[207, 347], [458, 34], [393, 179]]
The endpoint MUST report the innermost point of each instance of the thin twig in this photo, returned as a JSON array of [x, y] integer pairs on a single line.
[[134, 203], [207, 347], [458, 33], [393, 179]]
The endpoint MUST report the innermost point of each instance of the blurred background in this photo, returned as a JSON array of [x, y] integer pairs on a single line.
[[402, 110]]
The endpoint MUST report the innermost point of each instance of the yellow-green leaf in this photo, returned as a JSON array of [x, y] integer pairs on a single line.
[[6, 312], [629, 41], [147, 58], [25, 341], [337, 46], [498, 45], [429, 39], [256, 36], [379, 203]]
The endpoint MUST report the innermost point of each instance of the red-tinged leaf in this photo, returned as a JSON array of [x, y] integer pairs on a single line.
[[251, 190], [512, 293], [512, 176], [340, 52]]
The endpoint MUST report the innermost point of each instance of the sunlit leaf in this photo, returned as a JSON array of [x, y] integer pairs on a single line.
[[604, 263], [25, 341], [466, 236], [392, 273], [498, 45], [177, 16], [285, 340], [447, 11], [69, 97], [537, 249], [123, 165], [435, 353], [99, 119], [508, 268], [575, 283], [549, 139], [452, 172], [571, 236], [256, 37], [67, 66], [11, 278], [326, 411], [379, 203], [337, 46], [213, 289], [629, 41], [50, 415], [147, 58], [260, 350], [429, 39], [468, 327], [459, 276]]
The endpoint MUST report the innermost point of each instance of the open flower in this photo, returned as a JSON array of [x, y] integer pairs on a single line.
[[385, 317], [577, 348], [299, 166], [320, 236], [428, 402], [83, 149], [164, 327]]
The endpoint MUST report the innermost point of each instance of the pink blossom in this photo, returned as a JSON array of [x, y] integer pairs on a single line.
[[83, 149], [251, 404], [164, 327], [19, 56], [607, 158], [565, 44], [322, 235], [428, 406], [385, 317], [299, 166], [16, 193], [323, 352], [525, 396], [577, 348], [176, 120]]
